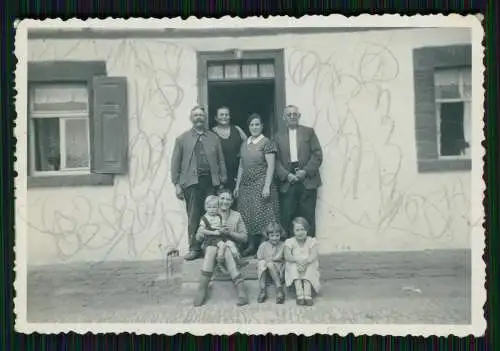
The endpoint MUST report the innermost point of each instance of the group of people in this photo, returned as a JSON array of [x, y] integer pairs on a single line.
[[251, 195]]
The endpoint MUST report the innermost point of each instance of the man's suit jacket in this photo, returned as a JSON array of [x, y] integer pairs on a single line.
[[184, 169], [310, 157]]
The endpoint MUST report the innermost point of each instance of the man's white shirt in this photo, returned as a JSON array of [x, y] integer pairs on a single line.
[[292, 132]]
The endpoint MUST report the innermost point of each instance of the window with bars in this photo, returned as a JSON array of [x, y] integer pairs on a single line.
[[240, 70]]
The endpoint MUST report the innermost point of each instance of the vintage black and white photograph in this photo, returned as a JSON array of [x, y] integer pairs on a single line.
[[279, 175]]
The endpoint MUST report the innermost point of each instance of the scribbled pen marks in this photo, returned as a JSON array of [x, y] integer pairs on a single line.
[[137, 215], [367, 157], [352, 107]]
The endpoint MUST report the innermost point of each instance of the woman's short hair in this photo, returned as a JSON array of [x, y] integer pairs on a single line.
[[254, 116], [223, 107], [225, 191], [273, 227], [303, 222]]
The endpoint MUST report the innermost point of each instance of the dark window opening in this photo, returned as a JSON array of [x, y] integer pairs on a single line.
[[452, 139]]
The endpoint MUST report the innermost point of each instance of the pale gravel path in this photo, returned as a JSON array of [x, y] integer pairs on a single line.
[[440, 300]]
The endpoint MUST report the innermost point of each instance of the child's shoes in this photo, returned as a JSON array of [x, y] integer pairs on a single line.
[[280, 295], [262, 296]]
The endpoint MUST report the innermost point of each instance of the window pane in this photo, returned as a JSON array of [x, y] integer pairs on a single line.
[[448, 92], [53, 98], [447, 76], [453, 83], [47, 152], [467, 83], [266, 70], [77, 143], [249, 70], [467, 92], [215, 72], [452, 136], [232, 71], [467, 126], [466, 75]]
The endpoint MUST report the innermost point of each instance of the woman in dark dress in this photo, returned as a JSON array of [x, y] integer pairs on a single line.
[[231, 138], [256, 191]]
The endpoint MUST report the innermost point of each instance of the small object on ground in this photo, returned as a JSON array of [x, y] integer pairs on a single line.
[[412, 289], [173, 252]]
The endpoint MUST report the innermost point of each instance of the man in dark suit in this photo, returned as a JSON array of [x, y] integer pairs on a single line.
[[297, 166], [197, 169]]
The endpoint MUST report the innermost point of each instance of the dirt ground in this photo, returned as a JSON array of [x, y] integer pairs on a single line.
[[440, 300]]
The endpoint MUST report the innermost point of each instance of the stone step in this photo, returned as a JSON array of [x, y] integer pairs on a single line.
[[369, 265], [333, 267], [191, 271]]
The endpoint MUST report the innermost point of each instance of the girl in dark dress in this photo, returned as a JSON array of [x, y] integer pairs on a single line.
[[231, 138]]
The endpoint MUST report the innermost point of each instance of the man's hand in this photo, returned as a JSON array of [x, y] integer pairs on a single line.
[[301, 174], [292, 178], [225, 232], [178, 192]]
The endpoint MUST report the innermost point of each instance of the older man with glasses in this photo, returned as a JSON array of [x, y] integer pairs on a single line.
[[298, 161]]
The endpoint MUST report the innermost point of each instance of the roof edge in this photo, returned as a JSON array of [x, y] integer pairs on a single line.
[[167, 33]]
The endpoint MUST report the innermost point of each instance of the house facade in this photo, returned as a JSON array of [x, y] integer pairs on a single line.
[[391, 108]]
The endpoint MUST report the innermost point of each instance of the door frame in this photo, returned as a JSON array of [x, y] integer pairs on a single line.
[[276, 55]]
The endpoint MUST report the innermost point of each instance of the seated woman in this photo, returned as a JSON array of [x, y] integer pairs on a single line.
[[233, 228]]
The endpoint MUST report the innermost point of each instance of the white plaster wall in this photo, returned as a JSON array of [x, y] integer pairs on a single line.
[[372, 197]]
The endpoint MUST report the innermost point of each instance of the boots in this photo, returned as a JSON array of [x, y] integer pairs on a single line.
[[201, 293], [262, 295], [280, 295], [242, 292], [193, 255]]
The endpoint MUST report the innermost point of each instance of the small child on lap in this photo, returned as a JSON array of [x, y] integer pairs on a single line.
[[271, 262], [301, 262], [211, 224]]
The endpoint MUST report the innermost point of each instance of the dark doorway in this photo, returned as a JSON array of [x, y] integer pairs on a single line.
[[243, 99], [247, 82]]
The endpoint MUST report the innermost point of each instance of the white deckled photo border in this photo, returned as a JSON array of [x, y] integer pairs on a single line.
[[477, 244]]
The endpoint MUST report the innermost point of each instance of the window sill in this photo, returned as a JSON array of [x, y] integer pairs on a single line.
[[59, 181], [444, 165]]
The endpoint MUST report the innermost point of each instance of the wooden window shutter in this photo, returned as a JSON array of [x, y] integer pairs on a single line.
[[110, 125]]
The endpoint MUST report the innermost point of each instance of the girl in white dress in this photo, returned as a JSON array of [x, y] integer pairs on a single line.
[[301, 262]]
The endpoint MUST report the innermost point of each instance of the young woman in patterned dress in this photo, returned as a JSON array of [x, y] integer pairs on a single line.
[[255, 188]]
